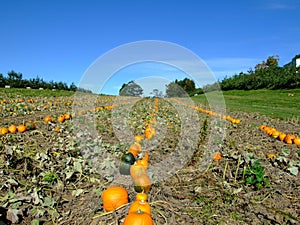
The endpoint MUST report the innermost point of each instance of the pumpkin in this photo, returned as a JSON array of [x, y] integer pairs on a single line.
[[114, 197], [142, 183], [48, 119], [12, 129], [61, 119], [271, 156], [67, 116], [141, 197], [137, 169], [282, 136], [30, 125], [3, 130], [140, 205], [128, 158], [217, 156], [138, 138], [21, 128], [138, 218], [135, 149], [275, 134], [289, 139], [148, 133], [124, 168], [297, 141]]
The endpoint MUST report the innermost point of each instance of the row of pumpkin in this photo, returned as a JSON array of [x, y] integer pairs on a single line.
[[210, 113], [134, 163], [287, 138], [31, 125]]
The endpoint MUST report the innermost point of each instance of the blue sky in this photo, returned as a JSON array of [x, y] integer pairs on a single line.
[[59, 40]]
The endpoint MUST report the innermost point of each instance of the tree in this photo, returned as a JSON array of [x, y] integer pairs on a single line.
[[14, 79], [131, 89], [174, 90], [157, 93], [187, 84]]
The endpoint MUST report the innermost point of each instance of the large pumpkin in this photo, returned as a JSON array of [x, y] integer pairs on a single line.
[[114, 197], [138, 218]]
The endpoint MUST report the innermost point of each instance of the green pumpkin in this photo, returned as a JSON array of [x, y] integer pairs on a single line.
[[128, 158], [124, 168]]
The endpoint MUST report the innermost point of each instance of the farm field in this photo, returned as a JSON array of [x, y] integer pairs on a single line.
[[56, 171]]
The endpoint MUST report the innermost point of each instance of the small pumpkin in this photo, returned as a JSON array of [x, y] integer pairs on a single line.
[[138, 138], [138, 218], [114, 197], [282, 136], [140, 205], [289, 139], [12, 129], [137, 169], [217, 156], [67, 116], [135, 149], [297, 141], [271, 156], [30, 125], [275, 134], [148, 133], [48, 119], [3, 130], [21, 128], [61, 119], [124, 168], [142, 183], [141, 197], [128, 158]]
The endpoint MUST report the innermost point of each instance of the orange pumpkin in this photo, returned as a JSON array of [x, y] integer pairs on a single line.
[[12, 129], [141, 197], [217, 156], [275, 134], [148, 133], [61, 119], [138, 138], [288, 139], [21, 128], [140, 205], [138, 218], [135, 149], [114, 197], [67, 116], [137, 169], [297, 141], [282, 136], [3, 130], [48, 119]]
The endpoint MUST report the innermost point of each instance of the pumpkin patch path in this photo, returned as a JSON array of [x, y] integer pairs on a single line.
[[50, 177]]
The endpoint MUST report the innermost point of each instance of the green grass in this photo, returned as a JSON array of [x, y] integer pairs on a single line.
[[22, 92], [273, 103]]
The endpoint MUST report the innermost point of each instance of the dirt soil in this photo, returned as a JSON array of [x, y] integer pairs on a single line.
[[50, 177]]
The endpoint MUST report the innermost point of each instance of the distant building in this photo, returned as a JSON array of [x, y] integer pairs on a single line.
[[295, 62]]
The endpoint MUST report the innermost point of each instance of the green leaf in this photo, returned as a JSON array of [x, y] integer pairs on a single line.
[[286, 152], [293, 170], [35, 222]]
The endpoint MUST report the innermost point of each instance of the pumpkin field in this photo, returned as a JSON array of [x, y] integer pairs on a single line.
[[79, 158]]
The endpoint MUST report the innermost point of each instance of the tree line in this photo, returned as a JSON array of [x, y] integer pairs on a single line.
[[16, 80], [266, 75]]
